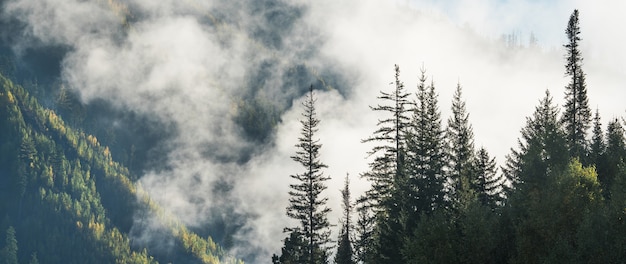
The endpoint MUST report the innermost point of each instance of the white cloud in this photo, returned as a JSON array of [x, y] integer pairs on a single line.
[[175, 62]]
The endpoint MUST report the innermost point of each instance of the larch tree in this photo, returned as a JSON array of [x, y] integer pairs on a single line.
[[306, 203], [387, 172], [460, 151], [345, 252], [577, 114]]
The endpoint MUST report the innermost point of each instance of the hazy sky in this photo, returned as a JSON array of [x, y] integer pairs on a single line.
[[189, 62]]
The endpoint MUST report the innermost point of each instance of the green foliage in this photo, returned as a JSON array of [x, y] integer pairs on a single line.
[[345, 252], [306, 203], [387, 172], [425, 153], [460, 152], [577, 115], [293, 252], [8, 254], [69, 179]]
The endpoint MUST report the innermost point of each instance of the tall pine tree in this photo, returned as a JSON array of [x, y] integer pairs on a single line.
[[306, 203], [488, 184], [541, 149], [460, 137], [345, 251], [387, 172], [577, 115], [598, 146], [614, 158], [425, 152]]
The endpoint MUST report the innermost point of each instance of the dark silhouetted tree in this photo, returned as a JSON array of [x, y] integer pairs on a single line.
[[488, 184], [306, 203], [598, 146], [425, 153], [387, 172], [293, 251], [614, 158], [577, 115], [460, 155], [344, 243], [541, 148]]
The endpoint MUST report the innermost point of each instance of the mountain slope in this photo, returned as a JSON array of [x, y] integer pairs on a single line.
[[69, 201]]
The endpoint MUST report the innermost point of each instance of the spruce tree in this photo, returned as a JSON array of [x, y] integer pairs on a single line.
[[615, 156], [390, 135], [425, 152], [344, 243], [364, 233], [541, 148], [577, 115], [460, 155], [488, 184], [293, 251], [306, 203], [598, 146], [9, 252], [387, 172]]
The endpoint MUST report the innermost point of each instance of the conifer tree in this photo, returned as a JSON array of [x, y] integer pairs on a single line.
[[577, 115], [389, 164], [615, 156], [460, 155], [344, 243], [306, 203], [293, 251], [598, 146], [425, 152], [9, 252], [364, 233], [488, 184], [387, 173], [541, 148]]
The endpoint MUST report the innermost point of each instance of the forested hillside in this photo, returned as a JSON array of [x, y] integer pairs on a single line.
[[65, 200], [273, 131]]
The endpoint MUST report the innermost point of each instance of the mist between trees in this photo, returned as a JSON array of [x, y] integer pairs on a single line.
[[560, 196]]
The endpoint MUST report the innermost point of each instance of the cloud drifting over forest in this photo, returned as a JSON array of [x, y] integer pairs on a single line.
[[193, 63]]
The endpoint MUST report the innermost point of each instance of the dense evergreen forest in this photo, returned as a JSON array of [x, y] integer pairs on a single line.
[[71, 168], [435, 198], [65, 200]]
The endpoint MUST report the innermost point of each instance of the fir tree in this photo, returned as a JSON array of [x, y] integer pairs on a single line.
[[9, 252], [541, 148], [615, 156], [460, 137], [34, 259], [306, 204], [344, 243], [598, 146], [293, 251], [577, 115], [364, 233], [425, 152], [387, 173], [389, 165], [488, 184]]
